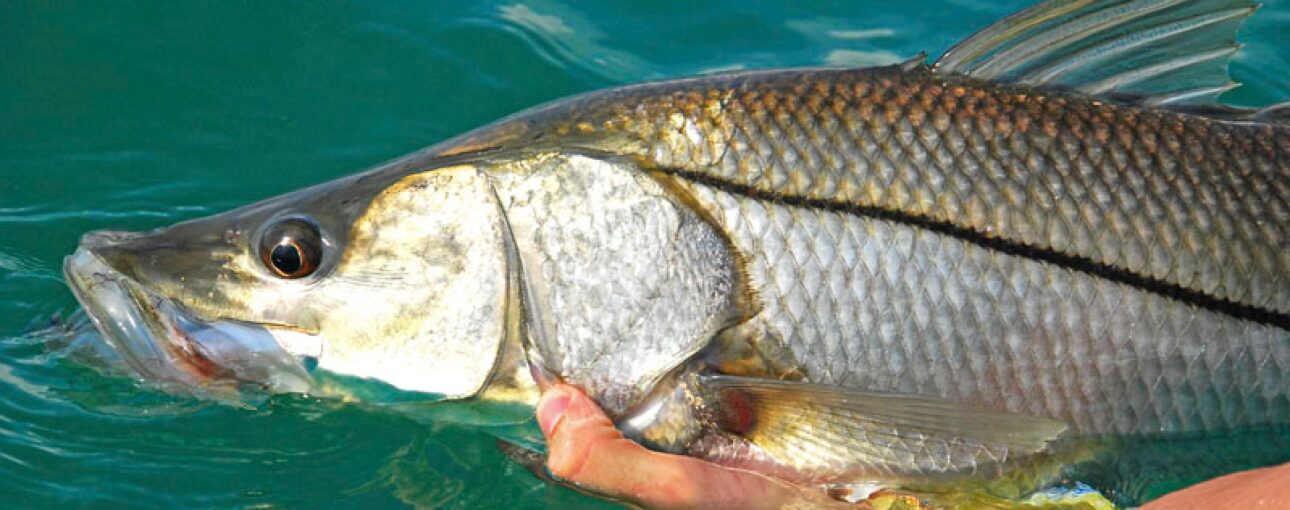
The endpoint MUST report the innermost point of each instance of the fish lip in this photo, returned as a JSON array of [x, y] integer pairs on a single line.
[[152, 334], [103, 293]]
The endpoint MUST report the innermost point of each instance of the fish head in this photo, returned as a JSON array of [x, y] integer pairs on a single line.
[[392, 276]]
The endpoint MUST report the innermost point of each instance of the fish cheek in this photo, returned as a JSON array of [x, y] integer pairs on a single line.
[[418, 300]]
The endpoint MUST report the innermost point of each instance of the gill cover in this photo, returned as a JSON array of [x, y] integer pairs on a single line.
[[421, 286]]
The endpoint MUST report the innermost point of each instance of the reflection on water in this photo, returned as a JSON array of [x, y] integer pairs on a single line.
[[566, 39]]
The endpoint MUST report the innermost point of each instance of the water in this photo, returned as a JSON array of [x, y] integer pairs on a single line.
[[135, 115]]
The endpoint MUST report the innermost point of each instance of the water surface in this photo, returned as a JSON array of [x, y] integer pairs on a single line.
[[134, 115]]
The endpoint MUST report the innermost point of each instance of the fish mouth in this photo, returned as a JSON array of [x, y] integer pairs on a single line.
[[164, 343]]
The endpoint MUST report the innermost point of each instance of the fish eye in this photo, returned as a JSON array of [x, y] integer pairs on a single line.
[[291, 248]]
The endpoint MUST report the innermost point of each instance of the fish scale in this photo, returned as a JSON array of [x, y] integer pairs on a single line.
[[1192, 202], [655, 294], [1007, 267], [933, 315]]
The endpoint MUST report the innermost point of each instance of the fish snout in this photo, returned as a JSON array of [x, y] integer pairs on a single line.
[[99, 239]]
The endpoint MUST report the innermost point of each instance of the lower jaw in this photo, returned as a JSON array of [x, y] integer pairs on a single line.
[[166, 346], [113, 309]]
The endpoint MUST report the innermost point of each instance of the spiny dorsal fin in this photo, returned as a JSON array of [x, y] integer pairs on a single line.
[[917, 61], [821, 428], [1160, 51]]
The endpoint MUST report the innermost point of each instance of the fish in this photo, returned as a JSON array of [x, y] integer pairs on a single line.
[[1047, 248]]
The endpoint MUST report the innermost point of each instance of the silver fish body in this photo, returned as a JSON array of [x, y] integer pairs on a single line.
[[1020, 259], [1119, 269]]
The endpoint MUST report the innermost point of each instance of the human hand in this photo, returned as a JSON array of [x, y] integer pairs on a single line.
[[585, 449], [1256, 488]]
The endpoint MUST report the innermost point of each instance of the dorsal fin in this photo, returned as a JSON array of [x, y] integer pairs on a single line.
[[1159, 51], [1277, 114]]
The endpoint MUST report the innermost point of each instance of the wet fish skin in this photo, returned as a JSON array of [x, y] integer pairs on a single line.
[[754, 238], [1017, 249], [621, 283], [1194, 203], [834, 276]]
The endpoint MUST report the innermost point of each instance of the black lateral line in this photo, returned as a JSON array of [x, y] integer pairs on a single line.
[[1079, 263]]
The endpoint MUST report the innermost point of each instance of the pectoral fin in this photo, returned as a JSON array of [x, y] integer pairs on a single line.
[[822, 432]]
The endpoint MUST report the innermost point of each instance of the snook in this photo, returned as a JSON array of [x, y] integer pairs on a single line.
[[896, 275]]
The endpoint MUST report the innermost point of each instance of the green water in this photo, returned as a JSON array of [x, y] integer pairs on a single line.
[[131, 115]]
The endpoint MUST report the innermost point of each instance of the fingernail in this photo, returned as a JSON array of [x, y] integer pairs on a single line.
[[550, 411]]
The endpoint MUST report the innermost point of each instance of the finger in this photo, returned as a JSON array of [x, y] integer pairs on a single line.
[[585, 448]]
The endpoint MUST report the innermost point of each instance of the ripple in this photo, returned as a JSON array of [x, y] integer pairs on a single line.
[[267, 90], [566, 39], [857, 58], [54, 216], [23, 264]]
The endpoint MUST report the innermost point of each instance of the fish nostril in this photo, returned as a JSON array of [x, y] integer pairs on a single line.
[[106, 238]]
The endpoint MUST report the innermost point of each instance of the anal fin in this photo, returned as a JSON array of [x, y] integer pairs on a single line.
[[825, 433]]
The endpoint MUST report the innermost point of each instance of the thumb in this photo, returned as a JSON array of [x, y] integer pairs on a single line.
[[586, 449], [577, 434]]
